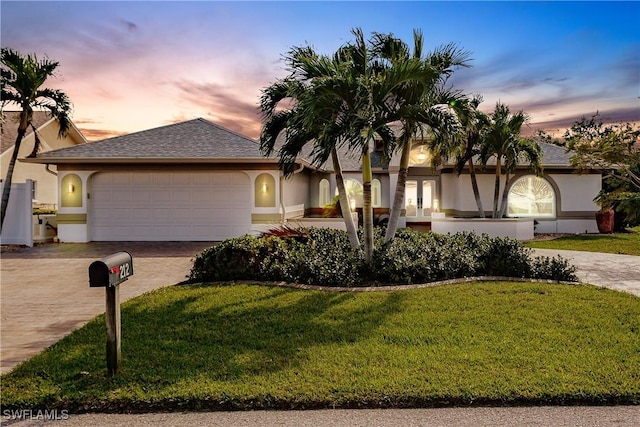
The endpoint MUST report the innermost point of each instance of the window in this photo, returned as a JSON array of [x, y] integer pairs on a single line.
[[324, 196], [376, 196], [531, 196], [34, 191], [354, 192]]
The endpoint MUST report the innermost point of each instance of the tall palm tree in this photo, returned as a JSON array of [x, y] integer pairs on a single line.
[[503, 141], [466, 146], [420, 103], [21, 80], [306, 119]]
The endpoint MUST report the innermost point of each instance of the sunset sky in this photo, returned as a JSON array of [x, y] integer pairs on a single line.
[[130, 66]]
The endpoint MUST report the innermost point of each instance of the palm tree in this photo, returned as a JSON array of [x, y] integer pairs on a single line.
[[341, 101], [21, 79], [301, 90], [502, 141], [466, 146], [419, 104]]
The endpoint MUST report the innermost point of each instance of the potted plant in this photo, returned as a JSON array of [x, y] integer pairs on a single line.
[[605, 216]]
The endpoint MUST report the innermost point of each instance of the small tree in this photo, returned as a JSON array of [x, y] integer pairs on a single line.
[[465, 147], [503, 141], [615, 150], [21, 79]]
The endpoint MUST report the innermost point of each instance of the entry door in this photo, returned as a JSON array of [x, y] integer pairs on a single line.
[[418, 199]]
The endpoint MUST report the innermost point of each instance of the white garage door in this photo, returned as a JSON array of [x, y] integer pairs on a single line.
[[169, 206]]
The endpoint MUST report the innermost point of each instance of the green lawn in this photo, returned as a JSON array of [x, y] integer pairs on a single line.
[[248, 347], [618, 243]]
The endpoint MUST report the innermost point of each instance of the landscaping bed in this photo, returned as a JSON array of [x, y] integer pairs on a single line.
[[323, 256]]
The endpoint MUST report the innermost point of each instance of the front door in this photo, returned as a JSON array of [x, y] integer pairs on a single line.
[[419, 199]]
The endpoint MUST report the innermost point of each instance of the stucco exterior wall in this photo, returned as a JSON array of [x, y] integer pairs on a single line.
[[575, 209], [296, 190], [577, 191], [45, 183], [457, 194]]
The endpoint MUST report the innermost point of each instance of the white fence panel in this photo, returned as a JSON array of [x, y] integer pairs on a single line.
[[18, 223]]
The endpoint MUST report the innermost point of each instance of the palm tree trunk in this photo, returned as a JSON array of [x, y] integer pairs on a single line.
[[6, 190], [474, 185], [367, 208], [398, 197], [503, 203], [344, 202], [496, 189], [36, 145]]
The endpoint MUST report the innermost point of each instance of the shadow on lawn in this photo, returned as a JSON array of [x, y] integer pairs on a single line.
[[165, 346]]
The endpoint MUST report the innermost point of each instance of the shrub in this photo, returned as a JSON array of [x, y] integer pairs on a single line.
[[556, 268], [325, 257]]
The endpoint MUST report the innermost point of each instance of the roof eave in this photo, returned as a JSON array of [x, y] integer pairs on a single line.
[[161, 160], [130, 160]]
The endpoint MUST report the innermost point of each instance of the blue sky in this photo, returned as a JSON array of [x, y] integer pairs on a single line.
[[130, 66]]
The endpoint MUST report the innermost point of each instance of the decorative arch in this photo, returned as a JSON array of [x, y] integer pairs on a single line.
[[71, 191], [265, 191], [324, 194], [531, 196]]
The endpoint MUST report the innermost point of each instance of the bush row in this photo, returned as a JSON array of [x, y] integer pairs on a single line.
[[324, 257]]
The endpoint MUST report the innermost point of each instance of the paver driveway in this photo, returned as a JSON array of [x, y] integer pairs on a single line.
[[45, 290]]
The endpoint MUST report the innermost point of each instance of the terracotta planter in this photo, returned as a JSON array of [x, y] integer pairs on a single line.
[[604, 219]]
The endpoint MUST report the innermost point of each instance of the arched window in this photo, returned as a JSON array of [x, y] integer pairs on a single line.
[[265, 191], [354, 192], [324, 193], [419, 156], [531, 196], [376, 196]]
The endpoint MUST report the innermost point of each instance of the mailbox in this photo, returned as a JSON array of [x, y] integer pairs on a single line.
[[111, 271]]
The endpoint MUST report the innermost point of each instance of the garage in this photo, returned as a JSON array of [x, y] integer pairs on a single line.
[[169, 205]]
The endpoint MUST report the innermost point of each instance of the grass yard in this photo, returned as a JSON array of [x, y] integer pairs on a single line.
[[618, 243], [249, 347]]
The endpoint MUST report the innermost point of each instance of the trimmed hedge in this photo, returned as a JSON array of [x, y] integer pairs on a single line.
[[324, 257]]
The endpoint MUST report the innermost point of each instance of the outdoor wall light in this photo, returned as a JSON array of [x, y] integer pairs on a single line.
[[352, 204], [265, 187], [436, 205], [71, 189], [422, 156]]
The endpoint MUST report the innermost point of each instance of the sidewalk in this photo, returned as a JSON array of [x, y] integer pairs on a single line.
[[539, 416]]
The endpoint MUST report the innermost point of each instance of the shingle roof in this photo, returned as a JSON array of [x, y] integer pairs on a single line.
[[9, 126], [553, 155], [205, 141], [193, 139]]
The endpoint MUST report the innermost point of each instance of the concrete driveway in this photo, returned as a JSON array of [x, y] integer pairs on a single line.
[[45, 292]]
